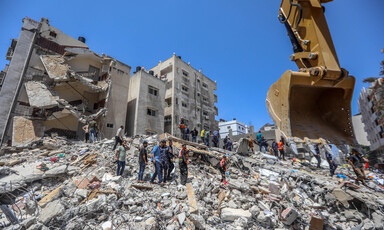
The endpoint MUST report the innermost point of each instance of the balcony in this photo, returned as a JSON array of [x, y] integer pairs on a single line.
[[11, 50], [215, 97]]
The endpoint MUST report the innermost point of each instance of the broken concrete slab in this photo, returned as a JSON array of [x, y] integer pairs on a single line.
[[52, 210], [39, 96], [55, 66], [342, 196], [230, 214], [26, 131]]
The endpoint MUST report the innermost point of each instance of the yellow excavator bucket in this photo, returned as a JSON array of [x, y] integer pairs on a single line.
[[306, 106]]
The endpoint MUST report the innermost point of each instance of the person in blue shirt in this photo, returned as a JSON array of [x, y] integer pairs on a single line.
[[215, 139], [275, 148], [259, 138], [156, 161], [332, 164]]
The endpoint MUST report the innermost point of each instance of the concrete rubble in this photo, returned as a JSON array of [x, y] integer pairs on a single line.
[[61, 184]]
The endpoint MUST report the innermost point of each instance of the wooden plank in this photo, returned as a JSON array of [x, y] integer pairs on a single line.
[[192, 199]]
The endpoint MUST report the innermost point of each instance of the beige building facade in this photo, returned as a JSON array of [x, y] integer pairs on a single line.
[[189, 96]]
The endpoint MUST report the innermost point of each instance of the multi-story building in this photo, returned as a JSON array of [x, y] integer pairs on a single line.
[[371, 102], [358, 127], [55, 84], [189, 96], [146, 99], [236, 126]]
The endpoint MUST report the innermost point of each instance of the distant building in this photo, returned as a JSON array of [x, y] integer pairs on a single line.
[[360, 133], [237, 128], [145, 114], [268, 127], [189, 96]]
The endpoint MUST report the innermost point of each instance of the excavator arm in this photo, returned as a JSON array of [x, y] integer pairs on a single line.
[[315, 101]]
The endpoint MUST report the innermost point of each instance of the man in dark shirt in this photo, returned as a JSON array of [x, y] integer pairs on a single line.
[[317, 155], [225, 142], [228, 144], [164, 159], [171, 166], [194, 135], [356, 162], [186, 133], [332, 164], [143, 160], [275, 148]]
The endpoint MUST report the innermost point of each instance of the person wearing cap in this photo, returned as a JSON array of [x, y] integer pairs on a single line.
[[171, 166], [156, 162], [183, 164], [356, 162], [223, 167], [143, 161]]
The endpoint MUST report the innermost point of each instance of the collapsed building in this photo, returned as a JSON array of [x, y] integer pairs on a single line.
[[55, 83]]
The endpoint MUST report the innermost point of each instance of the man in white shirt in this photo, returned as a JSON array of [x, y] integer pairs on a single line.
[[118, 137]]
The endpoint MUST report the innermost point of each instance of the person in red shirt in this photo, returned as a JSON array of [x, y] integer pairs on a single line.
[[281, 148], [223, 168]]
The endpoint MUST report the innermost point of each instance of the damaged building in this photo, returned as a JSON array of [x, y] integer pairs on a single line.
[[145, 111], [189, 96], [54, 84]]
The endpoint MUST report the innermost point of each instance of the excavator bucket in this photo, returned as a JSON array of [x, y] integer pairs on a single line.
[[306, 106]]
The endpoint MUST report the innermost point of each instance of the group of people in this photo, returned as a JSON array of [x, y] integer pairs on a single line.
[[205, 135], [356, 160], [162, 157], [91, 130]]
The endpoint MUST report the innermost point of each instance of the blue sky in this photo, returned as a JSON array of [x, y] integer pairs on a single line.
[[239, 43]]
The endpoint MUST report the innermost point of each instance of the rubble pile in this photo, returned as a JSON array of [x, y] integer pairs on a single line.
[[62, 184]]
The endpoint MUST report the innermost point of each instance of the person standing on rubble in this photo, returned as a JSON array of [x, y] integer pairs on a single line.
[[317, 155], [223, 168], [225, 142], [202, 135], [156, 162], [275, 148], [281, 149], [121, 153], [86, 131], [183, 164], [263, 145], [143, 161], [194, 135], [356, 161], [216, 139], [331, 162], [92, 126], [250, 144], [186, 133], [171, 166], [228, 144], [118, 137], [259, 138], [164, 160], [207, 136]]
